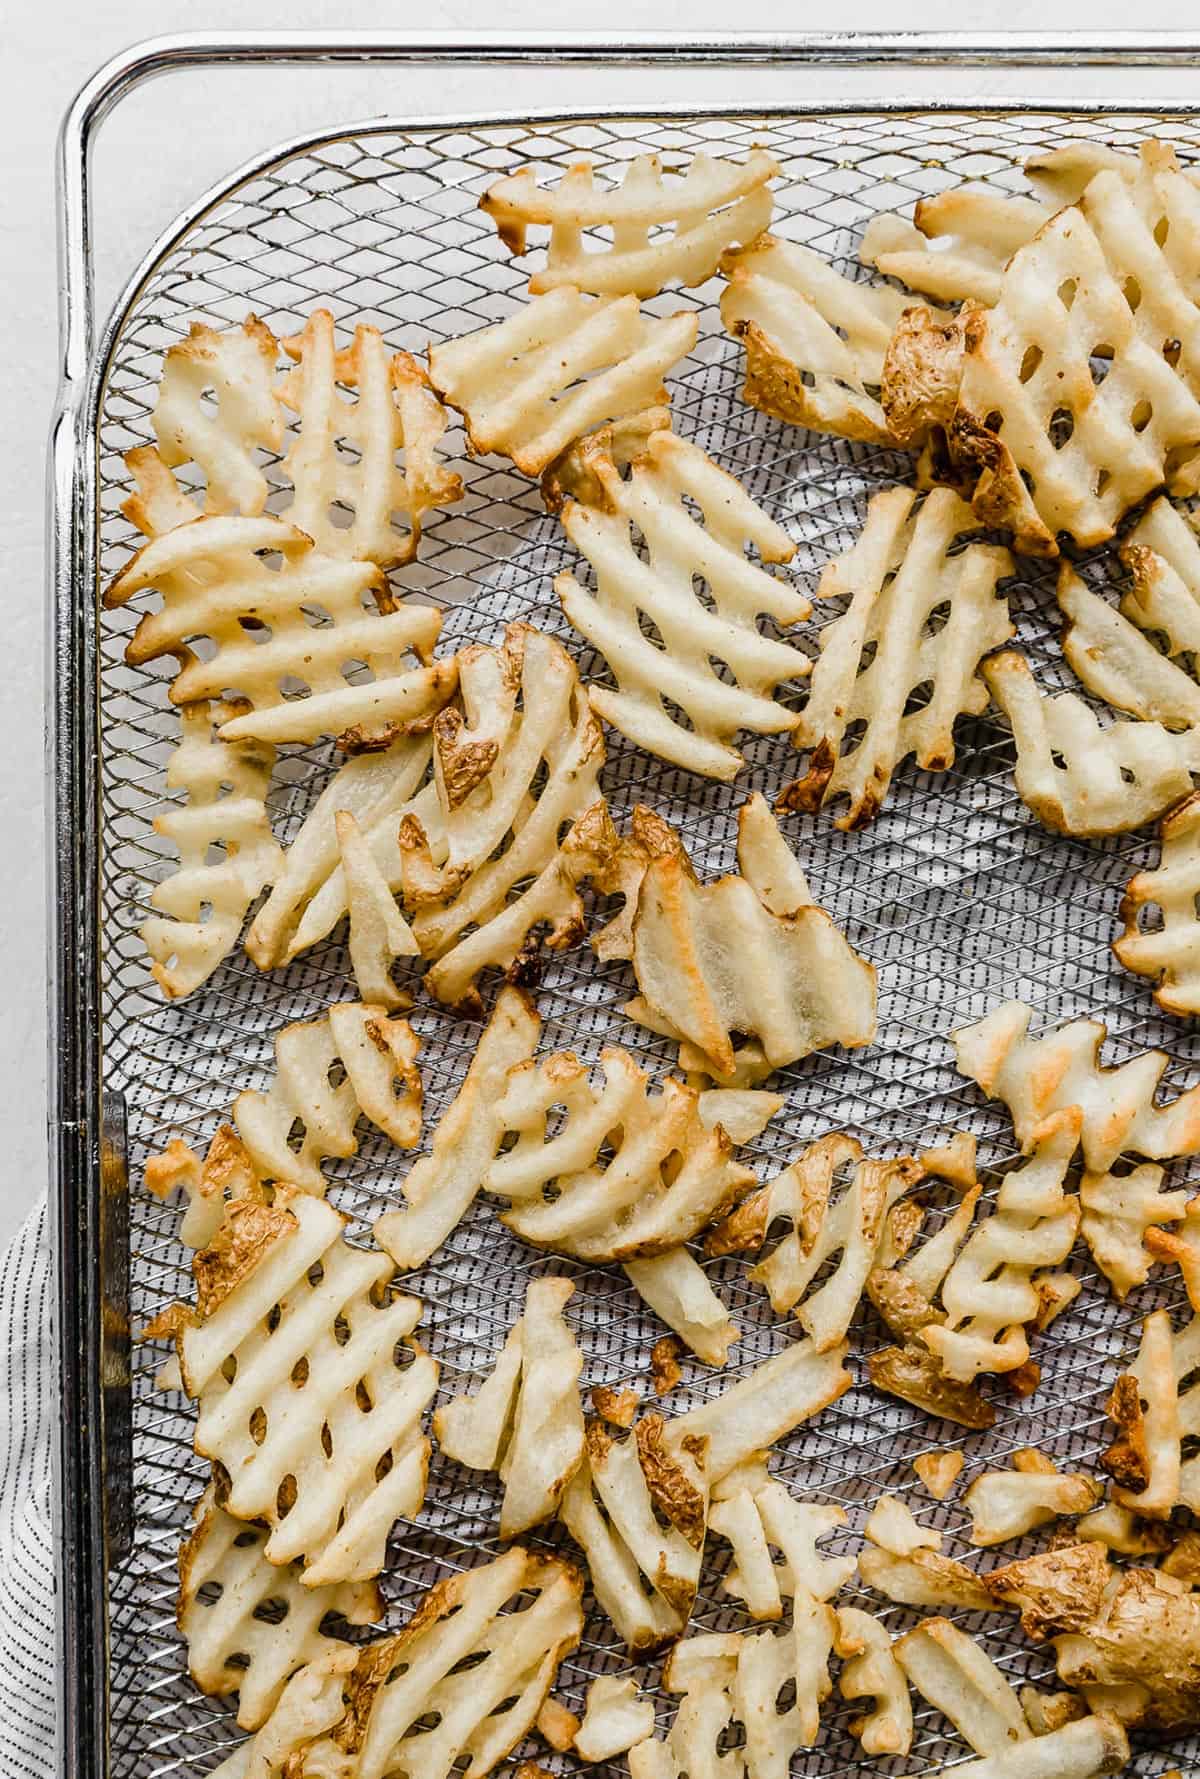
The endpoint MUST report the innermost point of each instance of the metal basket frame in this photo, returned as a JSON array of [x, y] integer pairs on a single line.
[[87, 1146]]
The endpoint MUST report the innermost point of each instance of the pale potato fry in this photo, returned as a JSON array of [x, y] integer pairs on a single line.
[[898, 574], [235, 371], [1085, 1750], [1062, 175], [638, 1509], [615, 1717], [158, 503], [233, 1645], [441, 1187], [956, 246], [1168, 949], [1181, 1247], [1078, 776], [393, 410], [1162, 554], [560, 365], [871, 1671], [378, 932], [815, 341], [1005, 1504], [757, 1514], [226, 1172], [1119, 1210], [381, 1081], [201, 905], [939, 1471], [311, 1703], [223, 578], [950, 1670], [1119, 663], [655, 500], [1037, 1077], [327, 1474], [1117, 1528], [824, 1224], [761, 1407], [416, 1701], [904, 1562], [714, 204], [530, 1427], [702, 1669], [678, 1289]]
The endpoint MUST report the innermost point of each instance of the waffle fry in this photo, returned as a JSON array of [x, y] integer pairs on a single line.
[[713, 205], [1118, 1212], [668, 479], [824, 1224], [1162, 554], [562, 364], [1110, 780], [378, 932], [667, 1176], [1156, 1407], [1037, 1077], [202, 904], [326, 1447], [441, 1187], [1169, 953], [949, 1669], [525, 1421], [756, 1514], [638, 1510], [1119, 663], [904, 1562], [238, 1640], [871, 1671], [464, 1676], [380, 1081], [815, 341], [226, 1172], [221, 578], [957, 245], [216, 407], [1006, 1504], [678, 1290], [1181, 1247], [614, 1718], [898, 575], [764, 1405], [311, 1703], [343, 459]]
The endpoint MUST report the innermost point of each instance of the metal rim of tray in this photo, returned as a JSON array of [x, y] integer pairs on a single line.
[[85, 1173]]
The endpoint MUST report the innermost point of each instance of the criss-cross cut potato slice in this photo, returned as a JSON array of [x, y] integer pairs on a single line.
[[525, 1421], [957, 245], [1078, 776], [344, 456], [441, 1187], [247, 1623], [312, 1703], [703, 1670], [614, 1719], [870, 1671], [1136, 1656], [990, 1291], [756, 1514], [226, 1172], [1119, 663], [677, 1289], [1037, 1077], [953, 1673], [1168, 951], [1181, 1247], [824, 1223], [378, 932], [904, 1562], [638, 1509], [772, 1398], [464, 1677], [201, 905], [695, 522], [815, 340], [215, 407], [1118, 1212], [918, 616], [230, 580], [380, 1081], [667, 1175], [714, 204], [1006, 1504], [562, 364], [309, 1384], [1156, 1408]]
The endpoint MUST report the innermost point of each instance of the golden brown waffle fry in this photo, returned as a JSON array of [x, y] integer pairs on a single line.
[[1118, 1212], [939, 1471], [1006, 1504], [870, 1671], [918, 616], [227, 579], [1156, 1407], [1168, 952], [757, 1515], [344, 457], [238, 1640], [216, 406], [904, 1562], [714, 204], [226, 1172], [815, 341], [695, 523], [201, 905], [562, 364]]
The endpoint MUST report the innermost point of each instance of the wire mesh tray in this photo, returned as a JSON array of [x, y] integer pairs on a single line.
[[957, 895]]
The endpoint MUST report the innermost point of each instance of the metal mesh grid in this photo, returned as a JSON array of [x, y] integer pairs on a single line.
[[955, 893]]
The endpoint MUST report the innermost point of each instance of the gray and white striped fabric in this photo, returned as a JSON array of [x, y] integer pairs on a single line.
[[28, 1652]]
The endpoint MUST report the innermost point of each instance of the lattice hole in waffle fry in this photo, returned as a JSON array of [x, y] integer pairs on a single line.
[[273, 615], [1037, 1077], [1006, 1504], [309, 1385], [216, 408], [712, 205], [757, 1516], [658, 583], [353, 1060], [249, 1624], [1168, 952], [638, 1510], [920, 618], [815, 340], [564, 363], [524, 1422], [201, 905], [1078, 776], [344, 456]]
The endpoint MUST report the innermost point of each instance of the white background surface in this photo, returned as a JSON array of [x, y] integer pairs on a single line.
[[162, 149]]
